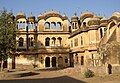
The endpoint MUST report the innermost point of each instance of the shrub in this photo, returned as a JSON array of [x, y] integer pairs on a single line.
[[89, 73]]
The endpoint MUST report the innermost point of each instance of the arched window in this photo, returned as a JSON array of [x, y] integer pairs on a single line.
[[53, 25], [47, 41], [53, 61], [47, 25], [23, 24], [21, 40], [20, 24], [17, 24], [101, 33], [84, 24], [112, 24], [47, 62], [33, 25], [53, 41], [59, 41], [30, 25], [58, 25], [105, 30], [73, 25]]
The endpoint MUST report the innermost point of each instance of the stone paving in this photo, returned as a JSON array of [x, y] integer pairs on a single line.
[[69, 75]]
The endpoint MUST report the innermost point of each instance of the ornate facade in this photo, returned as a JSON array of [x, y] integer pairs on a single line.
[[54, 41]]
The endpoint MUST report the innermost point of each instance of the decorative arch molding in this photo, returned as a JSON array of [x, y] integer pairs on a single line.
[[58, 25], [59, 39], [47, 25], [53, 41], [111, 24], [114, 18], [53, 25], [47, 41]]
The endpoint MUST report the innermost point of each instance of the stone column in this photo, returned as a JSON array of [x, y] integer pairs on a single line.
[[50, 61], [56, 61]]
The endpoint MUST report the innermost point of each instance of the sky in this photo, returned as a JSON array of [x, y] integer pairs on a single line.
[[69, 7]]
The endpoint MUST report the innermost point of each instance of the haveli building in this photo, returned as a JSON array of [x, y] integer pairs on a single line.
[[54, 41]]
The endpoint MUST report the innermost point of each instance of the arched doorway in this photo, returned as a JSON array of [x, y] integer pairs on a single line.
[[60, 61], [53, 61], [47, 62]]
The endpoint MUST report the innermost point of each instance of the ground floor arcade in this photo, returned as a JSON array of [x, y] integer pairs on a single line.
[[40, 61]]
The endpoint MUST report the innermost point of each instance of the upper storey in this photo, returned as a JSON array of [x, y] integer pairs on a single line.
[[23, 22], [87, 21], [53, 21]]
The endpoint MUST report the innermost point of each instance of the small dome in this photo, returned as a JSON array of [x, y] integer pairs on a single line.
[[104, 18], [51, 12], [116, 14], [20, 15], [104, 21], [86, 15], [94, 21], [64, 17], [74, 16], [99, 17], [31, 16], [40, 16]]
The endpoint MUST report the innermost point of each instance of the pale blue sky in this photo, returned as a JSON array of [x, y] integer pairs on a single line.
[[99, 7]]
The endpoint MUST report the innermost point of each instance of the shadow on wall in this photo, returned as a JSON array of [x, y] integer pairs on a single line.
[[63, 79], [32, 54]]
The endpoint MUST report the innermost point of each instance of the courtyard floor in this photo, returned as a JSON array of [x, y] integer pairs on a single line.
[[68, 75]]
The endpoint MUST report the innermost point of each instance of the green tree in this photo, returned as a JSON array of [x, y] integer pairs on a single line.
[[7, 35]]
